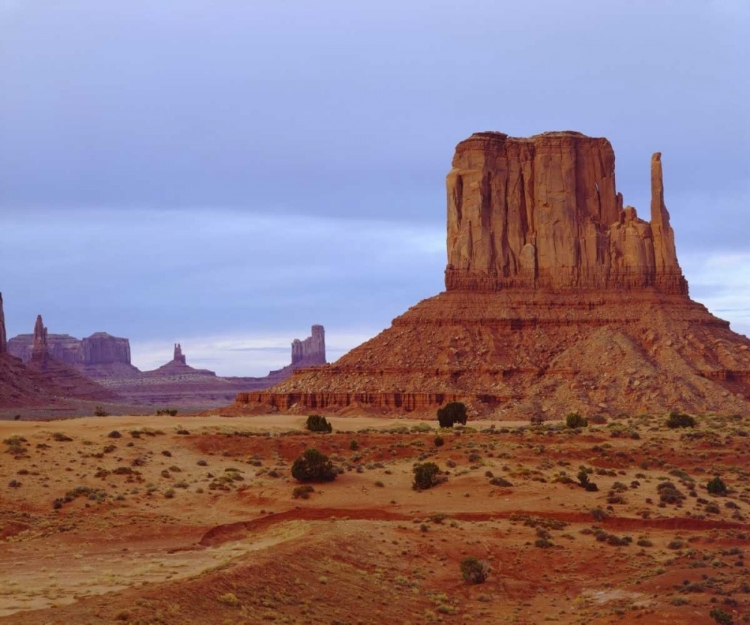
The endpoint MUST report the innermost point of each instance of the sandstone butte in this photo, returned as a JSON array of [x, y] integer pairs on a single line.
[[558, 298], [67, 381], [98, 356]]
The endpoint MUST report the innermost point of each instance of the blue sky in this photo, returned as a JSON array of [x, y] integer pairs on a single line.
[[226, 174]]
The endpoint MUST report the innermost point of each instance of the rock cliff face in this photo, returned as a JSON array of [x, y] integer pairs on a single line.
[[311, 351], [3, 336], [101, 348], [544, 212], [558, 300]]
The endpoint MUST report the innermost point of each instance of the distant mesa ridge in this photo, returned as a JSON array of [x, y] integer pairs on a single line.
[[98, 349], [558, 298]]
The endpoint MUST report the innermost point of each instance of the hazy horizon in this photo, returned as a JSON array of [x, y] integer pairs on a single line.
[[227, 176]]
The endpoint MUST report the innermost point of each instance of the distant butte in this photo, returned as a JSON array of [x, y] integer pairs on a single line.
[[558, 298]]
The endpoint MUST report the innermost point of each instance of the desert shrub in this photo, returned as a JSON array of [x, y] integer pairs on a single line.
[[166, 412], [229, 599], [354, 445], [439, 442], [474, 571], [100, 412], [721, 617], [536, 419], [114, 434], [452, 412], [575, 420], [679, 420], [302, 492], [425, 476], [583, 480], [316, 423], [669, 493], [717, 486], [61, 438], [598, 514], [313, 466], [499, 481]]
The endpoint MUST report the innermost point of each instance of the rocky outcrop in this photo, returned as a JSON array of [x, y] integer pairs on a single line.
[[311, 351], [178, 355], [3, 335], [558, 299], [544, 212]]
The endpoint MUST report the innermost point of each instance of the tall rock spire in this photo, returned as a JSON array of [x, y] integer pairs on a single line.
[[3, 335], [178, 355], [665, 254], [39, 350]]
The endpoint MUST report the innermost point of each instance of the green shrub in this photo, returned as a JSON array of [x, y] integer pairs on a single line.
[[717, 486], [452, 412], [354, 445], [583, 480], [425, 476], [316, 423], [474, 571], [679, 420], [575, 420], [721, 617], [313, 466], [302, 492]]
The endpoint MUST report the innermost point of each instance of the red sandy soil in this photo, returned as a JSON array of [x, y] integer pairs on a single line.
[[169, 540]]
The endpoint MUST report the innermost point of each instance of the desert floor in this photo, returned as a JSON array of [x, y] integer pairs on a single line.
[[193, 520]]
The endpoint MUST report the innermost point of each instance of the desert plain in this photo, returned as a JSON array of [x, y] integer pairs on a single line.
[[180, 519]]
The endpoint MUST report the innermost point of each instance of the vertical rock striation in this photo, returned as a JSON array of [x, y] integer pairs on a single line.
[[544, 212]]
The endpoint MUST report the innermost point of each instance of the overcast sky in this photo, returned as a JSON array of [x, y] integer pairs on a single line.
[[226, 174]]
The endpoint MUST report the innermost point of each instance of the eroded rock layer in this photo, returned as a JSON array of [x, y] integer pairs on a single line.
[[558, 299]]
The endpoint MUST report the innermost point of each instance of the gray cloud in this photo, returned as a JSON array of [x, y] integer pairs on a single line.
[[186, 169]]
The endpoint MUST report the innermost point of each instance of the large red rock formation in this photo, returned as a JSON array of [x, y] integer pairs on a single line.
[[558, 299], [544, 213]]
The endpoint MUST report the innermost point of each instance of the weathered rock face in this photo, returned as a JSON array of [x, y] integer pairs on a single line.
[[311, 351], [544, 212], [558, 300], [3, 336], [101, 348]]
